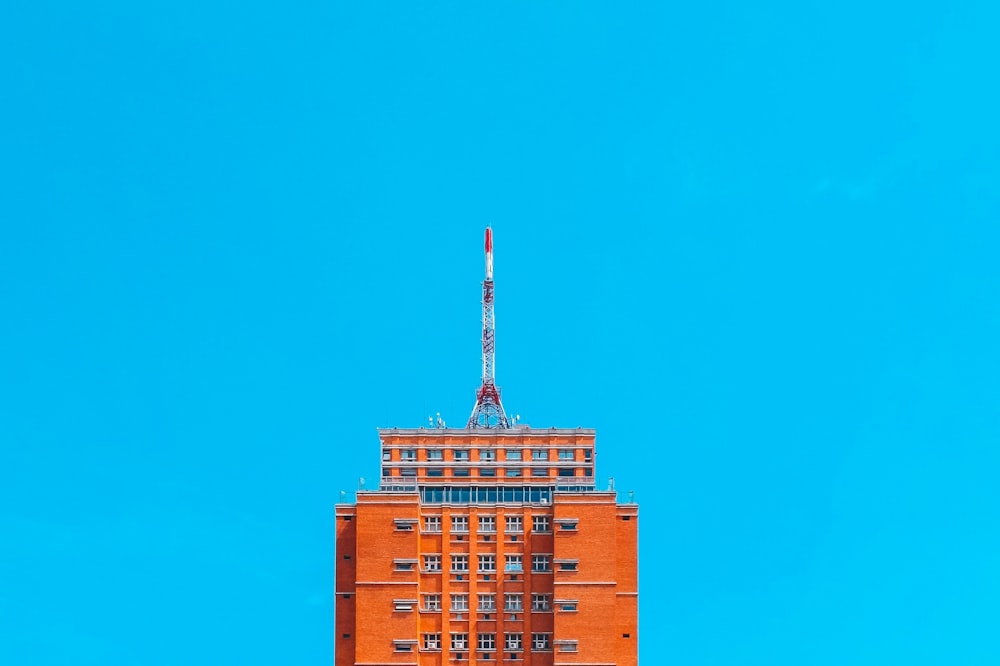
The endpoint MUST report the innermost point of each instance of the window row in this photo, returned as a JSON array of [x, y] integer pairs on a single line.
[[487, 524], [487, 641], [486, 602], [486, 563], [489, 455]]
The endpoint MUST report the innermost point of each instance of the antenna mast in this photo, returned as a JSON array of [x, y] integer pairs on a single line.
[[488, 411]]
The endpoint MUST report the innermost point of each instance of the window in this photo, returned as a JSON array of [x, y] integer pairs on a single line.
[[487, 456], [567, 606], [567, 525], [540, 602], [567, 471], [461, 455], [566, 454], [409, 471], [513, 454], [540, 524], [404, 565], [435, 471], [587, 454], [539, 471], [487, 563], [567, 566], [460, 472], [459, 603], [404, 524], [404, 604], [432, 641], [432, 523], [512, 472], [459, 563], [512, 563], [460, 641], [541, 641], [459, 523], [540, 563], [487, 602], [487, 524], [512, 642], [487, 471], [514, 524], [512, 602], [408, 455], [486, 642], [386, 454], [432, 563], [539, 454], [435, 454], [567, 646], [402, 646], [432, 602]]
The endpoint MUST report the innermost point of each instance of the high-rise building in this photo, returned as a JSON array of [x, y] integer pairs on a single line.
[[487, 544]]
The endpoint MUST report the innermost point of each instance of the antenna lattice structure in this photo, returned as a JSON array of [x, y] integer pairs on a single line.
[[488, 411]]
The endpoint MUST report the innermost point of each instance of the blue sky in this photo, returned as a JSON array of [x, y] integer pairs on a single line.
[[753, 244]]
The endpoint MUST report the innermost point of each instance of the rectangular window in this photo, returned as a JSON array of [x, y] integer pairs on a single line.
[[402, 646], [460, 641], [460, 455], [432, 563], [587, 454], [539, 454], [404, 604], [486, 642], [540, 602], [459, 563], [566, 454], [540, 524], [487, 524], [464, 471], [432, 523], [487, 456], [432, 641], [567, 471], [567, 566], [512, 642], [435, 471], [512, 472], [386, 454], [566, 525], [408, 455], [459, 603], [539, 471], [409, 471], [567, 646], [404, 524], [435, 454], [540, 563], [432, 602], [512, 563], [459, 523], [514, 524], [541, 641], [487, 471], [512, 602], [568, 606], [487, 563], [513, 454], [487, 602], [404, 565]]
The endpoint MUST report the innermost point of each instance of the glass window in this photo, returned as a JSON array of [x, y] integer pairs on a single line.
[[463, 471], [566, 454], [540, 563], [512, 472], [386, 454], [512, 602], [513, 454], [435, 471], [539, 471], [541, 642], [487, 524], [459, 523], [459, 602], [567, 566], [487, 563], [512, 641], [435, 454], [461, 454], [540, 524], [539, 454], [432, 523], [514, 524], [409, 454], [487, 602], [486, 642], [540, 602], [487, 471], [432, 641], [460, 641], [487, 456], [459, 563], [432, 563], [432, 602], [567, 471], [512, 563]]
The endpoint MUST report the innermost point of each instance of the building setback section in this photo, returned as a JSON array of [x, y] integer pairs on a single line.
[[487, 546]]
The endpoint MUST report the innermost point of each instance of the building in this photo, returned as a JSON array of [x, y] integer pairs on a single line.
[[486, 544]]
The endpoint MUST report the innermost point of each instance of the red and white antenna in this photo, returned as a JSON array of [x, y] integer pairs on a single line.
[[488, 412]]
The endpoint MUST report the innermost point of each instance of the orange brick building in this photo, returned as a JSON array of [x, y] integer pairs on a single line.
[[486, 546]]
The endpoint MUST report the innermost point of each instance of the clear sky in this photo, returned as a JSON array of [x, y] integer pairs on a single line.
[[753, 244]]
